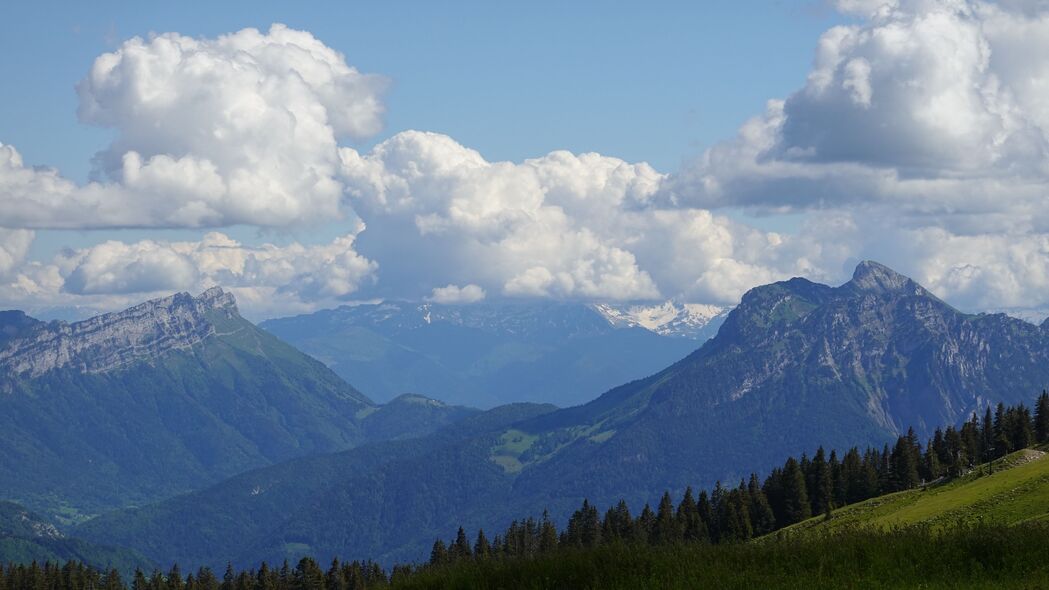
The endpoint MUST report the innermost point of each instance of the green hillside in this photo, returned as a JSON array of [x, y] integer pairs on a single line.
[[26, 537], [1016, 491]]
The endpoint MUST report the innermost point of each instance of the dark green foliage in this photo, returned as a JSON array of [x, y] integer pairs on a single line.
[[795, 496], [959, 557], [1041, 418], [26, 537]]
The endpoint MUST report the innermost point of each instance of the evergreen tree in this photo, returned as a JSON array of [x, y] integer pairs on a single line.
[[837, 474], [796, 506], [665, 530], [905, 463], [689, 521], [1023, 435], [762, 518], [1041, 418], [228, 577], [439, 553], [822, 486], [308, 575], [460, 548], [646, 523], [174, 578], [335, 579], [482, 548], [987, 436]]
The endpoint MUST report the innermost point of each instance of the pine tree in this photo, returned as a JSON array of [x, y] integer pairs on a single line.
[[139, 582], [335, 579], [308, 575], [688, 519], [986, 436], [482, 548], [1041, 418], [439, 553], [174, 578], [837, 474], [665, 530], [1023, 435], [112, 581], [646, 523], [796, 505], [822, 486], [762, 518], [228, 577], [460, 548], [905, 463]]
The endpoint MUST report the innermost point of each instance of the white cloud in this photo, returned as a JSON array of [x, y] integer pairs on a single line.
[[452, 294], [935, 108], [267, 279], [14, 245], [209, 132], [923, 132], [501, 224], [919, 138]]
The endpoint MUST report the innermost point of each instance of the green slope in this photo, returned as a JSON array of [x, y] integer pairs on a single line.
[[1017, 491], [25, 537], [83, 442]]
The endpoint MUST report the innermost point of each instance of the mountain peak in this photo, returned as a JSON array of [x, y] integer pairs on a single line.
[[874, 277], [113, 340]]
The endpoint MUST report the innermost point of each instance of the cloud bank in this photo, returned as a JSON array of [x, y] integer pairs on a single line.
[[209, 132], [920, 138]]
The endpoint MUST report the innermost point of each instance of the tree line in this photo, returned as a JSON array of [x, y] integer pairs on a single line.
[[789, 494], [797, 490]]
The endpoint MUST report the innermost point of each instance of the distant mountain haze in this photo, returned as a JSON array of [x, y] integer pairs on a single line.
[[796, 365], [486, 354]]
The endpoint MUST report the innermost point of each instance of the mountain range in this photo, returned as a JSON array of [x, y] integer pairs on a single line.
[[167, 397], [797, 364], [486, 354]]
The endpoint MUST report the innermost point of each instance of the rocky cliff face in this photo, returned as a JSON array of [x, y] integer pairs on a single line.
[[107, 342]]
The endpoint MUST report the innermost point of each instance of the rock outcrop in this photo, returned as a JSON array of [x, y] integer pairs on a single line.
[[115, 340]]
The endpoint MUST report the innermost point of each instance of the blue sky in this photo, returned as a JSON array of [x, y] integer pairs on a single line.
[[657, 85], [733, 144]]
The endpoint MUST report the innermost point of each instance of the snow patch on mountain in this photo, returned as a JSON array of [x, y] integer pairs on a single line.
[[698, 321]]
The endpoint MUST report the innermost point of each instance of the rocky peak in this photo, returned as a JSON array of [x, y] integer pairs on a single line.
[[872, 277], [113, 340]]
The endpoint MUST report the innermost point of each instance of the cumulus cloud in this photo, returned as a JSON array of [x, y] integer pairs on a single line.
[[934, 107], [14, 245], [924, 131], [919, 138], [451, 294], [266, 278], [242, 128], [526, 229]]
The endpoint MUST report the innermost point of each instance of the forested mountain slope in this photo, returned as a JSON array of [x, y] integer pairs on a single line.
[[163, 398], [795, 366]]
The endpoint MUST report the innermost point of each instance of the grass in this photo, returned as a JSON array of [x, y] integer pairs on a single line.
[[1017, 491], [512, 444]]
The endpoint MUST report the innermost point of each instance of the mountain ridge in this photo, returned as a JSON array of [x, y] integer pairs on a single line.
[[166, 397], [796, 365], [110, 341], [482, 354]]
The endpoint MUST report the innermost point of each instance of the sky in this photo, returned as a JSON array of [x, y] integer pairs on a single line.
[[308, 156]]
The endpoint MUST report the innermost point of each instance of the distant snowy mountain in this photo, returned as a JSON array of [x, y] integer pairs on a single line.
[[1034, 315], [696, 321], [484, 354]]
